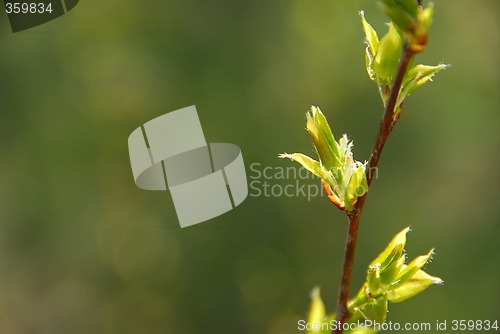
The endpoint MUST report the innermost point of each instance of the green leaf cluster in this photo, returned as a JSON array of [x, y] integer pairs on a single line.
[[388, 279], [343, 177], [411, 19], [382, 56]]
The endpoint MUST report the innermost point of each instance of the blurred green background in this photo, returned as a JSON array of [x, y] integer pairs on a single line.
[[82, 250]]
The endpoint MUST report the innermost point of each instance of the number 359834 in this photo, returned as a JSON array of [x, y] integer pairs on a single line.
[[27, 8]]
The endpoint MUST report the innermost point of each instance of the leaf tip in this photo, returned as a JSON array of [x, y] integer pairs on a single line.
[[315, 292], [285, 155], [438, 281]]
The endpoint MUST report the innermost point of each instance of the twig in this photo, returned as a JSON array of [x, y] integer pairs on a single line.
[[342, 312]]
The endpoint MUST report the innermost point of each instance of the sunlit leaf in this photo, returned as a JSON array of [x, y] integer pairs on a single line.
[[413, 286], [420, 74], [373, 280], [308, 163], [388, 54], [404, 13], [323, 139], [395, 247], [372, 47], [392, 271], [344, 179], [414, 266], [316, 310], [375, 310]]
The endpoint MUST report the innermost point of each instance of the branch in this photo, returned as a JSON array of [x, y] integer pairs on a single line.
[[386, 124]]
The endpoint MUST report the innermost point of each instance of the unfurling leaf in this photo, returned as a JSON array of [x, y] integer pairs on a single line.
[[323, 139], [316, 310], [412, 19], [417, 37], [410, 269], [372, 42], [388, 54], [373, 280], [413, 286], [418, 76], [395, 248], [404, 13], [410, 23], [375, 309], [371, 35], [389, 279], [425, 17], [308, 163], [344, 179], [389, 273]]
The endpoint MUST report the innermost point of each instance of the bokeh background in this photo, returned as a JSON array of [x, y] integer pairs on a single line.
[[82, 250]]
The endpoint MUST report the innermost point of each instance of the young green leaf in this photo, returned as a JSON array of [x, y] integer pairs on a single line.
[[392, 271], [417, 36], [316, 310], [395, 247], [344, 178], [398, 280], [404, 13], [373, 280], [375, 310], [410, 269], [416, 77], [419, 75], [311, 165], [413, 286], [323, 139], [372, 42], [388, 54], [425, 17]]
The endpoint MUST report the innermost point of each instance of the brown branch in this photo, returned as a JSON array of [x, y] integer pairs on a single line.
[[386, 124]]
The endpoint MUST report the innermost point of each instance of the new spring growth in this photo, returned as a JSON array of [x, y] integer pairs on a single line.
[[411, 19], [410, 23], [343, 177], [388, 279]]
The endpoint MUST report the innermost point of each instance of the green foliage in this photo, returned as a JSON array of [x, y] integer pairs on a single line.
[[343, 177], [382, 57], [388, 60], [389, 276], [387, 57], [388, 279], [316, 310], [404, 13], [412, 19], [416, 77]]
